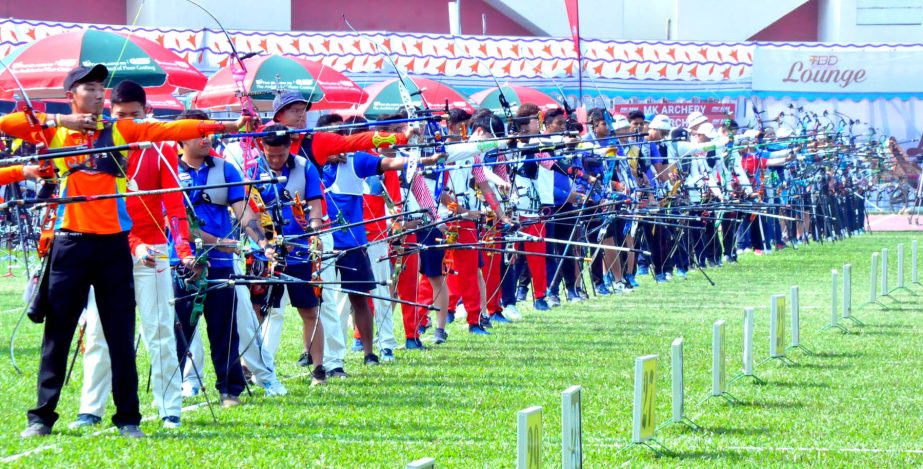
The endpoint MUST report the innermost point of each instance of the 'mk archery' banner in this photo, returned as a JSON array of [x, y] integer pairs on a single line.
[[677, 112], [879, 69]]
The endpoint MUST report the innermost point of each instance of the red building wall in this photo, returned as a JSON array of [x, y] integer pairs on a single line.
[[74, 11], [419, 16]]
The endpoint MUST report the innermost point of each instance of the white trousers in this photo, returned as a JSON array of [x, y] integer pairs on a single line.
[[384, 309], [259, 360], [153, 293], [334, 317]]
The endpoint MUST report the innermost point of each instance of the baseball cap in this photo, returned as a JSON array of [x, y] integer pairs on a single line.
[[620, 122], [661, 122], [708, 130], [286, 98], [83, 74], [694, 119]]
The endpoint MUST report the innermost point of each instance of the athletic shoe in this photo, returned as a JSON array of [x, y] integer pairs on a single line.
[[357, 345], [474, 329], [413, 344], [668, 275], [85, 420], [131, 431], [319, 376], [602, 290], [643, 270], [171, 422], [484, 321], [499, 318], [451, 317], [582, 294], [553, 300], [660, 278], [631, 280], [190, 389], [758, 252], [440, 336], [682, 273], [274, 387], [540, 305], [337, 373], [371, 359], [522, 293], [740, 251], [422, 329], [305, 360], [780, 247], [387, 355], [228, 400], [573, 296], [618, 288], [35, 429], [511, 312]]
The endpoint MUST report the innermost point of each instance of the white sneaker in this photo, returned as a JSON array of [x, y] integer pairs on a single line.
[[171, 422], [190, 389], [274, 388], [618, 288], [511, 312]]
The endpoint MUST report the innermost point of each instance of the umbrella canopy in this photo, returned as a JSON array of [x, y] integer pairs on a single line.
[[42, 65], [267, 75], [385, 97], [516, 96]]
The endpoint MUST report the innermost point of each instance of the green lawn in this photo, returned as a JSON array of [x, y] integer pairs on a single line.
[[857, 402]]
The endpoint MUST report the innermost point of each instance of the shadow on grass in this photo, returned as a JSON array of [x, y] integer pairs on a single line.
[[737, 431], [772, 404], [838, 354], [800, 384]]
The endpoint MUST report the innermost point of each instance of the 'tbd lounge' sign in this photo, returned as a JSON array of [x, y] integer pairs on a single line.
[[823, 69]]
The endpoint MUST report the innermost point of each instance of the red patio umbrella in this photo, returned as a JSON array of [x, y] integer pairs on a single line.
[[516, 96], [384, 97], [267, 75], [42, 65]]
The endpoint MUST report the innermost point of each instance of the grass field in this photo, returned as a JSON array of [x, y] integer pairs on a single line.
[[856, 402]]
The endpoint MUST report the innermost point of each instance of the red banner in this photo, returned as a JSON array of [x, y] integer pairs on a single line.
[[573, 18], [677, 112]]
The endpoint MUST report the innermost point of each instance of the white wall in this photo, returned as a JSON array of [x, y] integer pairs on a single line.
[[838, 24], [721, 20], [266, 15]]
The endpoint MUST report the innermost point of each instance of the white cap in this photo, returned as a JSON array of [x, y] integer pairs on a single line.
[[708, 130], [694, 119], [661, 122], [620, 122]]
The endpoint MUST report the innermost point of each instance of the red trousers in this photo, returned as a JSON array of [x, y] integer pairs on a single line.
[[536, 263], [407, 289], [464, 283], [492, 276]]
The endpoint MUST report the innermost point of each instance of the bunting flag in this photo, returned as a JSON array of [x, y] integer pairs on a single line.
[[441, 55]]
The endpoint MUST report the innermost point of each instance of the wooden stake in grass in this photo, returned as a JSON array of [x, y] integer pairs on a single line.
[[678, 405], [718, 362], [572, 428], [747, 371], [529, 440], [796, 323]]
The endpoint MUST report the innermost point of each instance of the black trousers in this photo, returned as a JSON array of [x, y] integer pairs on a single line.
[[658, 242], [221, 326], [77, 262], [564, 268], [729, 224]]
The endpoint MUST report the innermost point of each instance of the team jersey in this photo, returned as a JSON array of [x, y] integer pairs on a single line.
[[108, 216], [345, 186]]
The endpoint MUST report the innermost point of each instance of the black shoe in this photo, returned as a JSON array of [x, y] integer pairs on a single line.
[[319, 376], [35, 429], [484, 322], [131, 431], [305, 360], [337, 373], [371, 359], [521, 294]]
